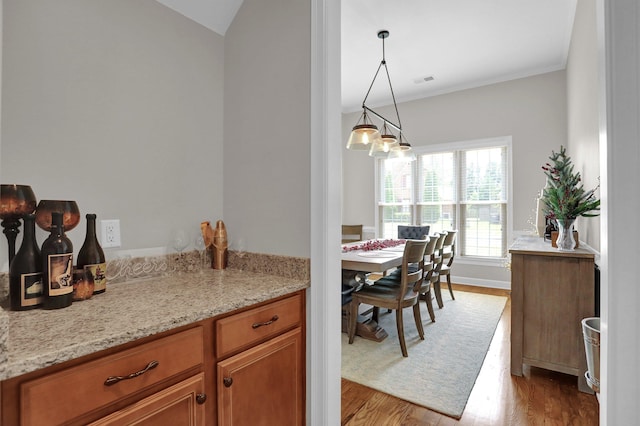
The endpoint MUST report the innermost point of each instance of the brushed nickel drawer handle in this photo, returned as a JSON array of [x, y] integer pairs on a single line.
[[260, 324], [112, 380]]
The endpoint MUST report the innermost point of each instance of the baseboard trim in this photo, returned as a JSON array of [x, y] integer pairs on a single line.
[[505, 285]]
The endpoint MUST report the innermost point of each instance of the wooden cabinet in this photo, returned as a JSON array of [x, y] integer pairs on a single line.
[[173, 378], [179, 405], [264, 383], [84, 390], [551, 292]]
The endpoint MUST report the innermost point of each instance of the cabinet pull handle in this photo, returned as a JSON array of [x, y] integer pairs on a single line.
[[201, 398], [260, 324], [112, 380], [227, 381]]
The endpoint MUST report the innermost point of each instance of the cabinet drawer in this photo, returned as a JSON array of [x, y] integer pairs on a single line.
[[65, 395], [242, 330]]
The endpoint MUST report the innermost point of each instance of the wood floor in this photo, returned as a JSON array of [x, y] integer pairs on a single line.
[[540, 397]]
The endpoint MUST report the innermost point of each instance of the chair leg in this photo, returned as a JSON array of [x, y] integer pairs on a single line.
[[449, 285], [436, 288], [400, 326], [427, 300], [418, 319], [353, 320], [376, 314]]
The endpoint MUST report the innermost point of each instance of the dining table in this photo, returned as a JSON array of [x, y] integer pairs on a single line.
[[364, 257]]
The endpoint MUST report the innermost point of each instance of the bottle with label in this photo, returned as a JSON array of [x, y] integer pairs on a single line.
[[25, 273], [57, 266], [91, 257]]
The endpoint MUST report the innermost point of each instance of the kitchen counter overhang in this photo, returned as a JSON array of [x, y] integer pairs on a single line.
[[131, 310]]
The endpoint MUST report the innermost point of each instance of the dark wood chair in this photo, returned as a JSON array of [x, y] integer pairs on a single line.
[[351, 233], [399, 297], [393, 279], [437, 259], [447, 254]]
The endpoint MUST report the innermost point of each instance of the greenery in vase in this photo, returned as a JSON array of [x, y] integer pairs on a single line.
[[564, 195]]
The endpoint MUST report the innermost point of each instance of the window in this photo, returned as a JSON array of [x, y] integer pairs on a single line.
[[459, 186]]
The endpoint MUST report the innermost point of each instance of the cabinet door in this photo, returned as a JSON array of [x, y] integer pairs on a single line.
[[179, 405], [263, 385]]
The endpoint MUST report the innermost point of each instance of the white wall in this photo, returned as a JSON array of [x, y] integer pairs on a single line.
[[117, 105], [582, 109], [532, 110], [618, 24], [267, 127]]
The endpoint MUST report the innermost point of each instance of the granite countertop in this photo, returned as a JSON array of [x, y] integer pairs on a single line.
[[128, 311]]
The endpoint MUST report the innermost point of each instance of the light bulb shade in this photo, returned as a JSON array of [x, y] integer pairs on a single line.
[[381, 148], [363, 136], [402, 151]]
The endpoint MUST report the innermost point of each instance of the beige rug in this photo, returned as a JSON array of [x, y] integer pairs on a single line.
[[440, 370]]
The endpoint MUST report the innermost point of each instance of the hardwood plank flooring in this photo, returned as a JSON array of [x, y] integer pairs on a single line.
[[540, 397]]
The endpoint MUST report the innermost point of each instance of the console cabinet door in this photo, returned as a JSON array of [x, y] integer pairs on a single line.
[[263, 385], [179, 405]]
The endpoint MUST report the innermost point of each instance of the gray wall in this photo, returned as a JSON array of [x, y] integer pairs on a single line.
[[582, 104], [532, 110], [117, 105], [267, 127]]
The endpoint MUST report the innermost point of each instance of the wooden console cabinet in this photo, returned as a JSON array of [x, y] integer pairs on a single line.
[[551, 292]]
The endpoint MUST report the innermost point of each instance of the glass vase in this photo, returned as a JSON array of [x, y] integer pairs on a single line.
[[565, 241]]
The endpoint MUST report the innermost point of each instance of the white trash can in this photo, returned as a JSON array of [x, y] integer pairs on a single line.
[[591, 334]]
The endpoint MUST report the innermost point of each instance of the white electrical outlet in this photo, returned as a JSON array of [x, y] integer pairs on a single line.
[[110, 233]]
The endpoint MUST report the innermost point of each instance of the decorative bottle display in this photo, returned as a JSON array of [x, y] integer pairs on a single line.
[[25, 273], [91, 257], [57, 266]]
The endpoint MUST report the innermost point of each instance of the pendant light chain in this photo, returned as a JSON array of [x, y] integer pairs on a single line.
[[383, 62]]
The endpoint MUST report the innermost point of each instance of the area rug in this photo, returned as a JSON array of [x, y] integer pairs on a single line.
[[440, 370]]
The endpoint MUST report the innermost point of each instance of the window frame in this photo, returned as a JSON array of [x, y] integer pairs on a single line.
[[500, 141]]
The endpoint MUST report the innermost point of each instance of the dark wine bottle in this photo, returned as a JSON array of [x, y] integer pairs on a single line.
[[57, 266], [91, 257], [25, 272]]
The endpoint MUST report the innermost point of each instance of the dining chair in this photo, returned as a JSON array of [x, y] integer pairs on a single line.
[[410, 232], [393, 279], [351, 233], [398, 298], [447, 254], [437, 264]]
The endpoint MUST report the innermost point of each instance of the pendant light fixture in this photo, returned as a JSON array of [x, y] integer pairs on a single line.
[[382, 146], [365, 134]]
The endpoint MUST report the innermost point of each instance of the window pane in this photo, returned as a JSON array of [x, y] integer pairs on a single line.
[[439, 217], [483, 174], [437, 178], [396, 182], [483, 232], [395, 199], [391, 217]]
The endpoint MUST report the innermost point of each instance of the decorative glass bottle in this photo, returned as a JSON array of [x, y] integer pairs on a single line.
[[57, 266], [91, 257], [25, 273]]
